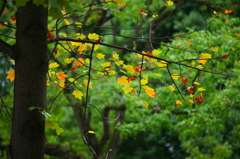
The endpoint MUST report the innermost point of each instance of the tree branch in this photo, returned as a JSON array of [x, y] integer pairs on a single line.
[[6, 48]]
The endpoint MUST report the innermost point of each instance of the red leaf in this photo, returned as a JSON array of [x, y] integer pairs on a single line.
[[184, 80], [50, 35], [74, 68], [55, 51], [137, 69], [191, 89], [224, 57], [131, 78], [142, 12], [13, 18], [228, 11], [199, 99]]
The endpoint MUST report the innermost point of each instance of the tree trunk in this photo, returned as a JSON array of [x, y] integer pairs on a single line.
[[27, 135]]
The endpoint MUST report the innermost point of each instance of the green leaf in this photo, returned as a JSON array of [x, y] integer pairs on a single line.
[[20, 3], [31, 108], [55, 13], [59, 130], [38, 2]]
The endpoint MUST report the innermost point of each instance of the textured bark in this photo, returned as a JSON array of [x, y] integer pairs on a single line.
[[27, 135]]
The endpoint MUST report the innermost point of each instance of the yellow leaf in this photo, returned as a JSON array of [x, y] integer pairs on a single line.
[[91, 132], [115, 56], [78, 94], [214, 50], [156, 52], [79, 24], [61, 83], [145, 104], [129, 68], [199, 66], [68, 60], [175, 76], [119, 62], [204, 57], [82, 47], [161, 64], [154, 16], [72, 80], [201, 89], [143, 81], [171, 88], [157, 74], [59, 130], [93, 36], [85, 82], [11, 75], [53, 65], [123, 80], [123, 71], [80, 36], [191, 101], [87, 60], [170, 3], [191, 95], [120, 3], [100, 56], [127, 89], [106, 64], [196, 83], [111, 72], [66, 22]]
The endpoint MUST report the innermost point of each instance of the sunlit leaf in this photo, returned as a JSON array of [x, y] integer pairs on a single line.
[[143, 81], [85, 82], [123, 80], [175, 76], [171, 88], [11, 75], [100, 56], [68, 60], [151, 92], [129, 68], [93, 36], [106, 64], [178, 102], [119, 62], [78, 94], [53, 65], [228, 11], [127, 89], [201, 89], [170, 3]]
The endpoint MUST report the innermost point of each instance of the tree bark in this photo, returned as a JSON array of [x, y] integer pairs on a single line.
[[27, 135]]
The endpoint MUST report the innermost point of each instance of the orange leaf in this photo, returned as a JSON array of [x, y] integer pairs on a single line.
[[5, 11], [61, 75], [215, 12], [151, 92], [178, 102], [11, 75], [199, 99], [228, 11], [79, 62]]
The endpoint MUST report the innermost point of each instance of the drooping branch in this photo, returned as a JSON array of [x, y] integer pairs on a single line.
[[6, 48]]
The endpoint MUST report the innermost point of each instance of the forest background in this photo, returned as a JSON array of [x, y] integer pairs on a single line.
[[133, 79]]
